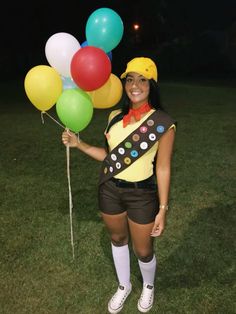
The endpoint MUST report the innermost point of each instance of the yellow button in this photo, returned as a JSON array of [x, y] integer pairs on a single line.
[[127, 160]]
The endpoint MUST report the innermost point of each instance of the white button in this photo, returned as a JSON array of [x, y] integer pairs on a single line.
[[144, 145], [150, 122], [113, 157], [121, 150], [152, 137], [118, 165]]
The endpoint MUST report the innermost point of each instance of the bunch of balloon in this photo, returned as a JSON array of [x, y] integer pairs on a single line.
[[78, 77], [85, 69]]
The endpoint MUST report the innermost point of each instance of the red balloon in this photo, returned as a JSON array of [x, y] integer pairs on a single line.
[[90, 68]]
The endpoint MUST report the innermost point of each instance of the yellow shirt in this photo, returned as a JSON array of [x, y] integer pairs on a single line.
[[142, 168]]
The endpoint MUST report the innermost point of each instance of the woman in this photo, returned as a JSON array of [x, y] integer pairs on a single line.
[[140, 140]]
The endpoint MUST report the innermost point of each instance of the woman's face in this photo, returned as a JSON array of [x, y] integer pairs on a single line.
[[137, 88]]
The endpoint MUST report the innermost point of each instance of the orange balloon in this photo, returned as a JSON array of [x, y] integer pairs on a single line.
[[107, 95]]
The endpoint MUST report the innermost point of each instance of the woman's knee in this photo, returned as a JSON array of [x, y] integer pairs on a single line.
[[119, 240], [146, 259], [144, 256]]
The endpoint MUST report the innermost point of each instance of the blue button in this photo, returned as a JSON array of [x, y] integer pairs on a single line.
[[160, 128], [134, 153]]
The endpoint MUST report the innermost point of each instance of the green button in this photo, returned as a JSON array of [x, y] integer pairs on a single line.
[[128, 145]]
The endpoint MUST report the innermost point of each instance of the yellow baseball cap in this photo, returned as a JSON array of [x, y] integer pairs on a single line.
[[143, 66]]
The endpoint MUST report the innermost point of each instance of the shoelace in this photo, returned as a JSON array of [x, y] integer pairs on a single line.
[[117, 293], [150, 293]]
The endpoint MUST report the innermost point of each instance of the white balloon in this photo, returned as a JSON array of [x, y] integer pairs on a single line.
[[60, 49]]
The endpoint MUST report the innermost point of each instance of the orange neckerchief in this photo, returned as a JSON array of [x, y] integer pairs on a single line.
[[136, 113]]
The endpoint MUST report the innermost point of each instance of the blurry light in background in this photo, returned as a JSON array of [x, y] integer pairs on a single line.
[[136, 26]]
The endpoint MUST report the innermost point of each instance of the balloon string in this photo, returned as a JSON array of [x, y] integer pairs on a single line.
[[70, 199], [44, 112], [69, 184], [42, 118]]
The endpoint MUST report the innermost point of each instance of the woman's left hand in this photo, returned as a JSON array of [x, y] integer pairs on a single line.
[[159, 225]]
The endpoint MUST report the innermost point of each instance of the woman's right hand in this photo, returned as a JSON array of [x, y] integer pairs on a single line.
[[69, 138]]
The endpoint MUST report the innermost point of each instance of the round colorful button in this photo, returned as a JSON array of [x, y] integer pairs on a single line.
[[113, 157], [121, 151], [134, 153], [150, 122], [128, 145], [160, 128], [144, 145], [118, 165], [135, 137], [127, 160], [143, 129], [152, 137]]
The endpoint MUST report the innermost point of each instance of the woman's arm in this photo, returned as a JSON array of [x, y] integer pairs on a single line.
[[163, 173], [69, 138]]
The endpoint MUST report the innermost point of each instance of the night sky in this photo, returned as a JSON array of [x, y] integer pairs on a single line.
[[169, 29]]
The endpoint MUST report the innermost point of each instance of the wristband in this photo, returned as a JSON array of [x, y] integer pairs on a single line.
[[166, 207]]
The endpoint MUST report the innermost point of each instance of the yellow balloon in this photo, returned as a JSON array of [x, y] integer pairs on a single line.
[[108, 94], [43, 86]]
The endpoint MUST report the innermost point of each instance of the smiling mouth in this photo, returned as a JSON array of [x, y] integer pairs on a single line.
[[135, 93]]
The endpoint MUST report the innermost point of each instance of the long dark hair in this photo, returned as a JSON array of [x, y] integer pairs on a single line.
[[124, 103]]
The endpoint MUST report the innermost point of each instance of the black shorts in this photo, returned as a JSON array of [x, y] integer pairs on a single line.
[[140, 203]]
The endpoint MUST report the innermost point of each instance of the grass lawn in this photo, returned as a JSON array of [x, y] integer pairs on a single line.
[[196, 269]]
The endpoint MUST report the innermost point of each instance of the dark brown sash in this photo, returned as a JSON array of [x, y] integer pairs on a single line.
[[135, 145]]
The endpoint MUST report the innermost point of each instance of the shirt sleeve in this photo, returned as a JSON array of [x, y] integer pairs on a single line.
[[173, 126]]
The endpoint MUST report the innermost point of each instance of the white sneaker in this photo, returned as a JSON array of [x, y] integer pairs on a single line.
[[116, 303], [146, 300]]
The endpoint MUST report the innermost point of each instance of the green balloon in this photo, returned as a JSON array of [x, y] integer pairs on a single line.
[[75, 109]]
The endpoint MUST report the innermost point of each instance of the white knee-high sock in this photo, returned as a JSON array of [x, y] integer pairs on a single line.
[[148, 270], [121, 258]]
